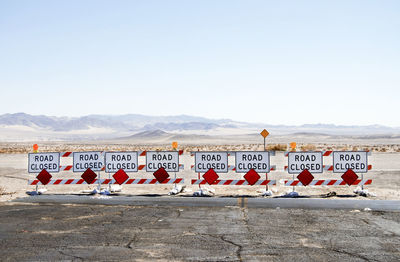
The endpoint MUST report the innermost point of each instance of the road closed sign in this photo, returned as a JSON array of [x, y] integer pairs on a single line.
[[84, 160], [345, 160], [128, 161], [259, 161], [39, 161], [211, 160], [169, 160], [299, 161]]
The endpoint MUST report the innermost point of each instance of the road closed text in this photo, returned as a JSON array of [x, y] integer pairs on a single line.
[[299, 161], [211, 160], [259, 161], [128, 161], [357, 161], [169, 160], [39, 161], [84, 160]]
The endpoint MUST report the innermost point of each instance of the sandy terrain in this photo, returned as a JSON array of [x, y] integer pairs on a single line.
[[384, 159]]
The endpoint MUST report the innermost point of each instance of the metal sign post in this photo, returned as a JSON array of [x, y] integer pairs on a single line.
[[293, 147], [264, 134], [99, 181], [175, 148]]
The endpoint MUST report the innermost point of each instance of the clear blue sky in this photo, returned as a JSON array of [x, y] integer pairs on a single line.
[[278, 62]]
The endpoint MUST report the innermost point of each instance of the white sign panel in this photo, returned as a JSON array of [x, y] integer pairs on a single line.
[[357, 161], [259, 161], [169, 160], [298, 161], [85, 160], [128, 161], [207, 160], [39, 161]]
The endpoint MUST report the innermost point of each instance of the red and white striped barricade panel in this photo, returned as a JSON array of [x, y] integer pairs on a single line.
[[328, 182], [234, 182], [138, 181]]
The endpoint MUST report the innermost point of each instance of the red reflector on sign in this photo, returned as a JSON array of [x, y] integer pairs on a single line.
[[252, 177], [305, 177], [161, 175], [210, 176], [120, 176], [44, 177], [349, 177], [89, 176]]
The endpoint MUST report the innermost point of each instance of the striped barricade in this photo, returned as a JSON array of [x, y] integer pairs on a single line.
[[138, 181], [229, 182], [328, 182]]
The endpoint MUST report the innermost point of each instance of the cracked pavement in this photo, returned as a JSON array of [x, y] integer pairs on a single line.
[[79, 232]]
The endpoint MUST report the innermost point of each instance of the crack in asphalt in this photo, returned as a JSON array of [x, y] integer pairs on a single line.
[[178, 213], [365, 221], [245, 218], [352, 254], [73, 256], [134, 239], [332, 248], [222, 237], [239, 247]]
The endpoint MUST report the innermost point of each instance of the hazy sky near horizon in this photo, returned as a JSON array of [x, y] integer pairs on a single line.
[[277, 62]]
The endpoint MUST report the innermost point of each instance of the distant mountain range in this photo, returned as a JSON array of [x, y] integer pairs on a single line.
[[131, 122], [21, 126]]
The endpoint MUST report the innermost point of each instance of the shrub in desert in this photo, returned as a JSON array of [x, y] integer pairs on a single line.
[[277, 147], [308, 147]]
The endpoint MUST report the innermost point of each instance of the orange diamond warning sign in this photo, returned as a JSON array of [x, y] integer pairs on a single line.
[[264, 133]]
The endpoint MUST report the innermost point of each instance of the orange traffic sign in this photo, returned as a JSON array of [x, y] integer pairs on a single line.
[[264, 133], [35, 148], [293, 145], [174, 145]]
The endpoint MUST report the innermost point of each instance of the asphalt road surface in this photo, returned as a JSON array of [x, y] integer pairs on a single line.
[[96, 232], [241, 201]]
